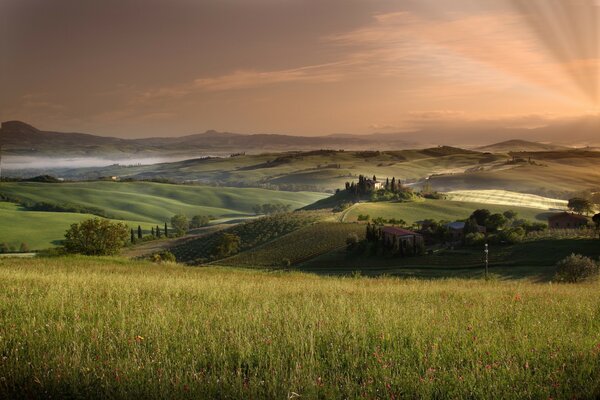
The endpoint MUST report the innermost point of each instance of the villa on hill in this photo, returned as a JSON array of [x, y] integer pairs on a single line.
[[566, 220]]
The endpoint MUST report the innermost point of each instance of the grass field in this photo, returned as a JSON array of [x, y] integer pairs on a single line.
[[39, 229], [412, 212], [507, 198], [156, 202], [111, 328]]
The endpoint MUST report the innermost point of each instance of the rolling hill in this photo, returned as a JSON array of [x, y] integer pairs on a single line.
[[517, 145], [156, 202]]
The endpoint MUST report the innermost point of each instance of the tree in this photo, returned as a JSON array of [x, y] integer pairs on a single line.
[[166, 230], [576, 268], [580, 205], [132, 236], [198, 221], [471, 226], [152, 232], [95, 237], [228, 244], [351, 241], [157, 232], [24, 248], [495, 222], [510, 214], [596, 220], [140, 234], [481, 216], [180, 224], [4, 248]]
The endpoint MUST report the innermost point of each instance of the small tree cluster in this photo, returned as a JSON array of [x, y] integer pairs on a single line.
[[268, 209]]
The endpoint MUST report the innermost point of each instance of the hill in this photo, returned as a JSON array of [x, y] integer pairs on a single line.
[[39, 229], [319, 170], [517, 145], [19, 138], [111, 328], [156, 202]]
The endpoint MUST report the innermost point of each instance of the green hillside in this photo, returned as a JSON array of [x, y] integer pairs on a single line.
[[39, 229], [412, 212], [300, 245], [111, 328], [324, 170], [156, 202]]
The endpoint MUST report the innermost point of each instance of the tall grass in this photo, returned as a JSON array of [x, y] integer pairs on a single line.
[[82, 327]]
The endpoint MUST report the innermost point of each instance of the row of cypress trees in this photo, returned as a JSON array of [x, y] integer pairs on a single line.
[[155, 232]]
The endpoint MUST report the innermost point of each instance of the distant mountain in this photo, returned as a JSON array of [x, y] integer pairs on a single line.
[[19, 138], [517, 145]]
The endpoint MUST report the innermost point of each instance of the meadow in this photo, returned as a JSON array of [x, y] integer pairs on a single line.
[[114, 328], [39, 229]]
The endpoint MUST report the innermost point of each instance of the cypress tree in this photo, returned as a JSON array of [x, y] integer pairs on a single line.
[[393, 187], [157, 231], [139, 232], [132, 236], [166, 230], [387, 184], [152, 230]]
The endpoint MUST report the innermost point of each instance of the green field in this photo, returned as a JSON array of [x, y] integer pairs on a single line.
[[39, 229], [111, 328], [446, 210], [156, 202]]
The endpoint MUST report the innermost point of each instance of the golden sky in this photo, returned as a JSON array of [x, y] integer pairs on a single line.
[[138, 68]]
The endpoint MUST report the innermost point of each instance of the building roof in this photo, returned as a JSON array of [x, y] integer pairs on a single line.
[[570, 215], [392, 230], [456, 225]]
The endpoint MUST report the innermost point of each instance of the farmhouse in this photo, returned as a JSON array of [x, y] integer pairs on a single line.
[[373, 185], [567, 220], [404, 241]]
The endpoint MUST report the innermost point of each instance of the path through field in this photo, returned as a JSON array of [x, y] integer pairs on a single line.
[[505, 197]]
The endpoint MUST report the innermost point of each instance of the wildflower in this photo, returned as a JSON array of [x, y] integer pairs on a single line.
[[139, 339]]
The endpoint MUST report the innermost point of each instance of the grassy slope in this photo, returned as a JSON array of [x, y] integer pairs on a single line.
[[297, 246], [435, 209], [113, 328], [301, 169], [156, 202], [38, 229], [554, 179]]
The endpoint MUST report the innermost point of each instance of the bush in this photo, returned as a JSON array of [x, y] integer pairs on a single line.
[[199, 221], [163, 257], [576, 268], [24, 248], [475, 239], [96, 237], [351, 241]]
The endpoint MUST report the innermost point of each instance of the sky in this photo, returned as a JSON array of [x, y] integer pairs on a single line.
[[140, 68]]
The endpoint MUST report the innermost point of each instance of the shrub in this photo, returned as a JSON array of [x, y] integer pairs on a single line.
[[198, 221], [24, 248], [362, 217], [475, 239], [163, 257], [351, 241], [576, 268], [4, 248], [96, 237]]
